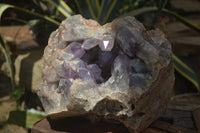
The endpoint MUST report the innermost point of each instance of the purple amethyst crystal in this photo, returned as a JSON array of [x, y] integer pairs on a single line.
[[95, 71], [66, 71], [90, 43], [107, 43], [119, 72], [137, 66], [105, 59], [75, 49]]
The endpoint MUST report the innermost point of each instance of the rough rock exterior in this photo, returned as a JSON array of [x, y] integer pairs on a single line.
[[119, 72]]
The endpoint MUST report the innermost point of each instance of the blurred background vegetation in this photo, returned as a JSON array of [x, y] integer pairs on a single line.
[[25, 26]]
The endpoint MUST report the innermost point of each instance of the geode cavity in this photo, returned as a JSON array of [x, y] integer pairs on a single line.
[[119, 71]]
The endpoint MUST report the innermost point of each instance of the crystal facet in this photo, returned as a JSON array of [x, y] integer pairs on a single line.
[[120, 66], [76, 49], [95, 71], [90, 43], [136, 65], [127, 41], [106, 43], [65, 71], [105, 59]]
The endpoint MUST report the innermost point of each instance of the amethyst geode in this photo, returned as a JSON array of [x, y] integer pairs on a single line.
[[118, 72]]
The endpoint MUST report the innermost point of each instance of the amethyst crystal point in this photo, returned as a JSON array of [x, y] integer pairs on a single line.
[[127, 40], [76, 49], [90, 43], [66, 71], [107, 43], [136, 65], [95, 71], [105, 59], [118, 72], [63, 87], [120, 66]]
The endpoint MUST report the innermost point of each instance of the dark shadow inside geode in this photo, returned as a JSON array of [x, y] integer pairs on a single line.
[[91, 55], [104, 60]]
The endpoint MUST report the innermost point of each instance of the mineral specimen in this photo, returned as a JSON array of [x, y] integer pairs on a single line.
[[118, 72]]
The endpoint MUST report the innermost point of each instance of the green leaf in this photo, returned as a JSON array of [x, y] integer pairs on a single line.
[[112, 5], [161, 4], [101, 11], [153, 9], [104, 7], [108, 9], [92, 8], [141, 11], [4, 7], [83, 9], [97, 4], [8, 59], [186, 71], [183, 20], [62, 7], [33, 116], [18, 94], [25, 118]]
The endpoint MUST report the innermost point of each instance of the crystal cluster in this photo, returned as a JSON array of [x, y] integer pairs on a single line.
[[118, 71]]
